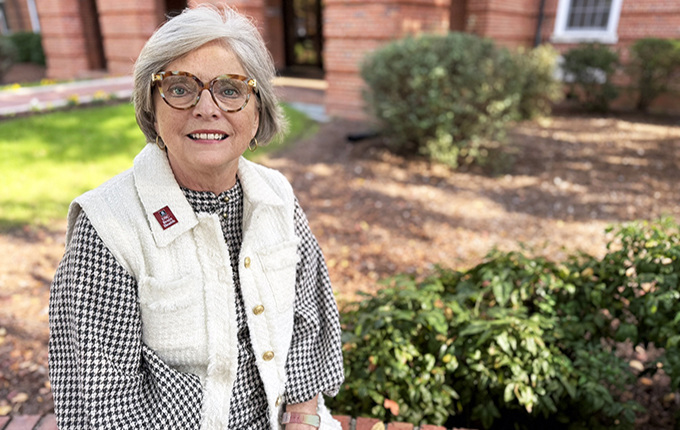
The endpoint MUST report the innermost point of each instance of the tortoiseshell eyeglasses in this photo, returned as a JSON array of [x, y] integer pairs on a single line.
[[182, 90]]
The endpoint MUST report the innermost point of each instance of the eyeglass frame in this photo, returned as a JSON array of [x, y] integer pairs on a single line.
[[251, 83]]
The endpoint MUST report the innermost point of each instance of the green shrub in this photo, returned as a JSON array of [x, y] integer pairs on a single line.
[[540, 87], [402, 337], [29, 47], [518, 340], [642, 270], [442, 96], [654, 62], [8, 55], [589, 68]]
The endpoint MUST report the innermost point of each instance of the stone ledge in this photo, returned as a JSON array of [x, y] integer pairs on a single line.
[[49, 422]]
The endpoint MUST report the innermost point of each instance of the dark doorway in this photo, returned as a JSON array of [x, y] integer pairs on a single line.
[[304, 37], [92, 34], [174, 7]]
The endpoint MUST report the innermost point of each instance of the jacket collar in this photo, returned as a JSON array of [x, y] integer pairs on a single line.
[[164, 202], [256, 190]]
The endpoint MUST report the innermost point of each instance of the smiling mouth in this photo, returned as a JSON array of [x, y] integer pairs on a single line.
[[208, 136]]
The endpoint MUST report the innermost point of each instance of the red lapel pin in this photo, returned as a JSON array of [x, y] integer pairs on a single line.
[[165, 218]]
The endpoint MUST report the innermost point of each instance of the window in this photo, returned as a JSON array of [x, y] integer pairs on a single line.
[[4, 28], [587, 21]]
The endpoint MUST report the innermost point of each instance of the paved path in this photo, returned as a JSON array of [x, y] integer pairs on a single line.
[[306, 95], [48, 422]]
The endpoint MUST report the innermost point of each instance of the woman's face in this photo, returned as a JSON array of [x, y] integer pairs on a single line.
[[204, 142]]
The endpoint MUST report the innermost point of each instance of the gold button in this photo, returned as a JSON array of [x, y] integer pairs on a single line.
[[268, 355], [225, 215], [278, 401], [246, 262], [257, 310], [226, 198]]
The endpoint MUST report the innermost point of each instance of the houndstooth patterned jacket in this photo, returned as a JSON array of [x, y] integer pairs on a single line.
[[113, 368]]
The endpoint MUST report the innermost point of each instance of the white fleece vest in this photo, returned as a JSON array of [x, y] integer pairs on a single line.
[[186, 289]]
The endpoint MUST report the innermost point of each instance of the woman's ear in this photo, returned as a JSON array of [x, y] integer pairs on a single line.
[[256, 122]]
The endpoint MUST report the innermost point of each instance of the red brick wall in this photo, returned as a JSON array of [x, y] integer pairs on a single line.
[[17, 16], [354, 28], [510, 22], [255, 9], [125, 27], [273, 31], [638, 19], [63, 39], [267, 15]]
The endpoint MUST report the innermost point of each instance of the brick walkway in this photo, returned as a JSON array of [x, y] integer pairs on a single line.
[[29, 422], [48, 422]]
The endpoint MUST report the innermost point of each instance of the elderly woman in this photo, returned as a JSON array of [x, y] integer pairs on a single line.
[[192, 293]]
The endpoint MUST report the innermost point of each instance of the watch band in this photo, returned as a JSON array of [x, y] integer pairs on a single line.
[[300, 418]]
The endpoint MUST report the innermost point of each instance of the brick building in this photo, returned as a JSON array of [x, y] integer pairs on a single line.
[[18, 15], [329, 38]]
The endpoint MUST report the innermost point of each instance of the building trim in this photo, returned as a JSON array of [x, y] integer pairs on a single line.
[[562, 34]]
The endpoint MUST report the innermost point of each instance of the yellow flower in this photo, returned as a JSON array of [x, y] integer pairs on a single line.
[[100, 95], [73, 99]]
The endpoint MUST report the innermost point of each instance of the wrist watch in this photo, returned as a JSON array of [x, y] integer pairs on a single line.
[[300, 418]]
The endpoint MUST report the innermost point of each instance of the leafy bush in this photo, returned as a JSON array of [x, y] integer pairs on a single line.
[[8, 55], [540, 88], [654, 62], [402, 337], [517, 340], [442, 96], [29, 47], [589, 69]]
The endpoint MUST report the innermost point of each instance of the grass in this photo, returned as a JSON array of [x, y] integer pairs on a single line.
[[47, 160]]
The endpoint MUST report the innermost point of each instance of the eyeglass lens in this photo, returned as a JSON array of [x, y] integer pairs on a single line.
[[182, 92]]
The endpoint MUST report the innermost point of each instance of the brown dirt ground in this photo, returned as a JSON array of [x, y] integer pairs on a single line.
[[564, 180], [24, 72]]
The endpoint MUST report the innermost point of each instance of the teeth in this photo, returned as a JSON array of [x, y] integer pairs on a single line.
[[208, 136]]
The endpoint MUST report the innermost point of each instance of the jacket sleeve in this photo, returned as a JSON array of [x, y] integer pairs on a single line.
[[314, 362], [102, 375]]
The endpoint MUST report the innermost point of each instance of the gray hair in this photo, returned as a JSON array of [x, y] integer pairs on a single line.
[[192, 29]]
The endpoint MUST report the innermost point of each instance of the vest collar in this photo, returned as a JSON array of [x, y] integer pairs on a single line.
[[256, 190], [167, 210]]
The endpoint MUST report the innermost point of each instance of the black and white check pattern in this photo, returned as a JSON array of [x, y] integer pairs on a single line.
[[315, 358], [103, 376]]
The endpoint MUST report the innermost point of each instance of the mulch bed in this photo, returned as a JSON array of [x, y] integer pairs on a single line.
[[552, 191]]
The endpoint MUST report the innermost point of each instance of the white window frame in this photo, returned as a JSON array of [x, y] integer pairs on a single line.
[[562, 34], [4, 29], [33, 13]]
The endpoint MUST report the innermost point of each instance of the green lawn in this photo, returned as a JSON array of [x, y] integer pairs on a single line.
[[49, 159]]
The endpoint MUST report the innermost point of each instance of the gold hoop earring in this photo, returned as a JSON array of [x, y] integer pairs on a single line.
[[160, 143], [251, 146]]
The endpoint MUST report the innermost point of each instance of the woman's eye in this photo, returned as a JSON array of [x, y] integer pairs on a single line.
[[229, 92], [178, 91]]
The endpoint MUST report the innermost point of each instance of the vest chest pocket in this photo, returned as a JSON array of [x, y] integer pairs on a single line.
[[279, 265], [173, 319]]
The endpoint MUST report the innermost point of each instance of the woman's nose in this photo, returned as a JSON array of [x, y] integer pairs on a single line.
[[206, 106]]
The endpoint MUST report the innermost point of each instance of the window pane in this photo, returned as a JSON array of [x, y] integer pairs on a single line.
[[589, 14], [4, 28]]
